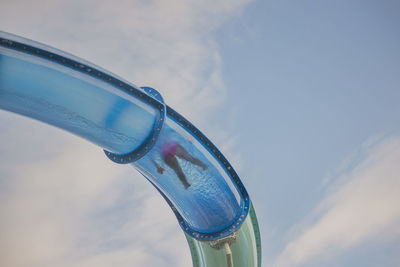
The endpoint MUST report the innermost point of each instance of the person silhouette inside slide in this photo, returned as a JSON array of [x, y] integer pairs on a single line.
[[169, 154]]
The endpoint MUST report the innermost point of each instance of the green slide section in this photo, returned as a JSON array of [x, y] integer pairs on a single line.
[[246, 249]]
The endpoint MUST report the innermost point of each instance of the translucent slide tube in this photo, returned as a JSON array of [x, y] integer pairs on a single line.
[[134, 126]]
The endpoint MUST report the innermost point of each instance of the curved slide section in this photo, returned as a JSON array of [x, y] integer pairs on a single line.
[[134, 126]]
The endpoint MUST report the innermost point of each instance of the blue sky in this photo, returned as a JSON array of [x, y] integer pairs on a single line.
[[302, 96]]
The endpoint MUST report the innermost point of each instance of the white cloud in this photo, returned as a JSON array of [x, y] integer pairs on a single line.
[[363, 206], [74, 207]]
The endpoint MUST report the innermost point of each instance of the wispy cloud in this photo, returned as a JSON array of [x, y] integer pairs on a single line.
[[68, 205], [363, 206], [63, 203]]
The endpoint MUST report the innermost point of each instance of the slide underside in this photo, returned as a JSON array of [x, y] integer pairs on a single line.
[[134, 126]]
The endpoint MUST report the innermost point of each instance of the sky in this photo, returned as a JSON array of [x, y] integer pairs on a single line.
[[301, 96]]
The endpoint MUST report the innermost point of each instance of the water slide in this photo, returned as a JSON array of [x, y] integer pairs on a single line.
[[134, 126]]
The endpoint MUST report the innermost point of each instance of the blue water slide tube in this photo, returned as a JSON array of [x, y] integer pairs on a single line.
[[134, 126]]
